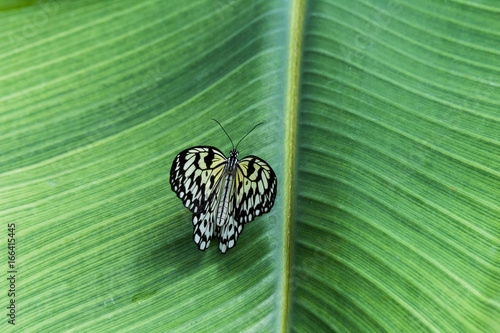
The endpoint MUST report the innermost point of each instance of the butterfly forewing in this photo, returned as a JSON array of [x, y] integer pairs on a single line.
[[194, 175], [256, 188]]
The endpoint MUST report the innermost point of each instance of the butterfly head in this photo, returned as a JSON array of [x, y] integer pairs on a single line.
[[232, 162], [233, 153]]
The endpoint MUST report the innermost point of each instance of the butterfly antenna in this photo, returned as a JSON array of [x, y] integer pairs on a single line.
[[247, 134], [224, 132]]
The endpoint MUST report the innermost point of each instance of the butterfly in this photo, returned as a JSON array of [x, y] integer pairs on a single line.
[[222, 193]]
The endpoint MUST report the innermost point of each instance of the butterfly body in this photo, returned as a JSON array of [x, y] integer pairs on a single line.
[[222, 193], [230, 171]]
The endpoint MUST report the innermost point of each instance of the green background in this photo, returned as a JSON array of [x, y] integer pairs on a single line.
[[395, 220]]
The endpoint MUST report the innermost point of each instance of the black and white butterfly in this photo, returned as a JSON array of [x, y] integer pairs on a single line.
[[223, 193]]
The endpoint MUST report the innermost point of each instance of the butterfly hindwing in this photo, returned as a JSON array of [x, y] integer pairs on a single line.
[[228, 234], [203, 226], [204, 222]]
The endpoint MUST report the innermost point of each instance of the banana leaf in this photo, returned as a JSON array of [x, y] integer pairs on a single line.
[[381, 121]]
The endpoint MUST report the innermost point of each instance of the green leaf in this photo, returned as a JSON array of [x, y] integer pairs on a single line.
[[398, 174], [381, 123]]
